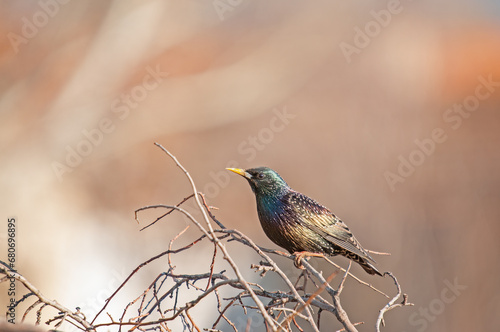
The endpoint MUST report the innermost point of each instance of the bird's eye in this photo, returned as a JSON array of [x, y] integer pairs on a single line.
[[260, 176]]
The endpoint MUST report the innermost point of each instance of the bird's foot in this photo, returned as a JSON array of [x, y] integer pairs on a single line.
[[299, 255]]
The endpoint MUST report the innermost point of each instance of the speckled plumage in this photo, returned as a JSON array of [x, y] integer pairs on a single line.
[[298, 223]]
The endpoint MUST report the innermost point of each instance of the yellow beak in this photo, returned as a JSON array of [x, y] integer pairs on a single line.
[[240, 171]]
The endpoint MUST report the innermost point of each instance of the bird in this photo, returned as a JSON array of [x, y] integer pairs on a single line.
[[300, 224]]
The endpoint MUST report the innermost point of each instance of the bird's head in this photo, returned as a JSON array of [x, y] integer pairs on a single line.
[[263, 180]]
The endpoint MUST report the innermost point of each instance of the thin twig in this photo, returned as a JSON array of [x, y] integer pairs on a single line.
[[356, 278], [192, 321], [108, 300], [163, 215], [84, 324], [214, 238], [309, 300], [391, 305], [339, 311], [278, 270], [169, 297], [172, 242]]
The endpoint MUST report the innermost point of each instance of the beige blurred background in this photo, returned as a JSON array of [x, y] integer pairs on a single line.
[[332, 96]]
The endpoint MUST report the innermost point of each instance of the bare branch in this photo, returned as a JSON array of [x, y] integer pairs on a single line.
[[392, 303], [339, 311], [214, 238], [142, 265], [309, 300], [163, 215], [84, 325], [173, 293]]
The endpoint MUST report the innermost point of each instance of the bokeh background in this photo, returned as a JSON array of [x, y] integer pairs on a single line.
[[333, 95]]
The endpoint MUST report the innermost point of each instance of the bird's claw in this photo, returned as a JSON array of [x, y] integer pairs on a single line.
[[301, 255], [298, 260]]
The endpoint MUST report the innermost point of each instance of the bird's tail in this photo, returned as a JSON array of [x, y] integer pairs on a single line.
[[368, 267]]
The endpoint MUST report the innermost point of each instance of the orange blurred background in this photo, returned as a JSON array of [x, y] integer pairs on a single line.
[[384, 112]]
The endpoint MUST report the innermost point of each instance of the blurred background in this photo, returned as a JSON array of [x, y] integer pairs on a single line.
[[386, 112]]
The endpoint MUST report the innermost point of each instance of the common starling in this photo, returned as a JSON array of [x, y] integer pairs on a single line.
[[300, 224]]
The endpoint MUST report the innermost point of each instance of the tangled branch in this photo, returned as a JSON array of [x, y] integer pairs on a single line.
[[162, 304]]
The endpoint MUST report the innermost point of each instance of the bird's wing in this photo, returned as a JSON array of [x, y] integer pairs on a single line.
[[322, 221]]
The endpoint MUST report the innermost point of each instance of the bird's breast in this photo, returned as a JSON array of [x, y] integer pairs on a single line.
[[270, 211], [279, 226]]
